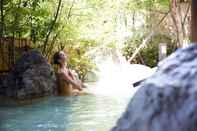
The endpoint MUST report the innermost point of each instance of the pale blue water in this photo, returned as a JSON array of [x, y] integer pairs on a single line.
[[81, 113]]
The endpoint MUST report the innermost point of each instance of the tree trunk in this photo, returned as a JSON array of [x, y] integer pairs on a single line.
[[177, 20], [194, 21], [133, 19], [69, 12], [50, 49], [51, 27]]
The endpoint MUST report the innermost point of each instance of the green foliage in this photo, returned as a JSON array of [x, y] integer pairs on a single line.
[[83, 25], [147, 5], [96, 3], [150, 53], [23, 17], [79, 61]]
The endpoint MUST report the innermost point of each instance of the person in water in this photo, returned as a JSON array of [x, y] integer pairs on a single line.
[[67, 81]]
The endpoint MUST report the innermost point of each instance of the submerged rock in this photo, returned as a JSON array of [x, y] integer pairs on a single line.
[[31, 77], [167, 101]]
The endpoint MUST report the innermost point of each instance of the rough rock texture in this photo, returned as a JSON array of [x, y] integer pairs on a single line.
[[31, 77], [168, 100], [2, 77]]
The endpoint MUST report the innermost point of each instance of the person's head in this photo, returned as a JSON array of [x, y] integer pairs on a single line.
[[60, 58]]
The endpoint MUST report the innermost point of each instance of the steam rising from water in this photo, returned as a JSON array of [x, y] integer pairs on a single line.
[[117, 77]]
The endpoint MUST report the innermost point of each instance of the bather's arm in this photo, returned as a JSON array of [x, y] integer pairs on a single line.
[[67, 78], [71, 75]]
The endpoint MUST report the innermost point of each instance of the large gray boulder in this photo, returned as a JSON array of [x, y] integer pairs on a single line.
[[31, 77], [168, 100]]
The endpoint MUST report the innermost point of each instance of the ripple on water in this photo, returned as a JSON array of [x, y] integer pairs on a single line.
[[81, 113]]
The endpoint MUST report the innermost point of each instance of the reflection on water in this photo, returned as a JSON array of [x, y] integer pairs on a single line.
[[81, 113]]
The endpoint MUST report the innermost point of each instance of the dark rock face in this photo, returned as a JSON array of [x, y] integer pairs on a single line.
[[31, 77], [2, 78], [168, 100]]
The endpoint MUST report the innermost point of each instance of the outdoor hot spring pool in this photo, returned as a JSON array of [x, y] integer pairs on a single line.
[[79, 113]]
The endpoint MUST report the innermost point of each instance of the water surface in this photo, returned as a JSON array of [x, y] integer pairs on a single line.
[[81, 113]]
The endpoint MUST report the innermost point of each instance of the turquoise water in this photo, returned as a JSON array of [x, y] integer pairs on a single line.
[[81, 113]]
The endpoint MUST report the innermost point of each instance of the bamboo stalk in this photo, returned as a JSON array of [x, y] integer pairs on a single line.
[[51, 27]]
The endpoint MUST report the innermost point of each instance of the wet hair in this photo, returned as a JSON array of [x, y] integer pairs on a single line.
[[56, 58]]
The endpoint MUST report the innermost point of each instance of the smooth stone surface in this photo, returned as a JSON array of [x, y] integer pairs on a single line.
[[167, 101]]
